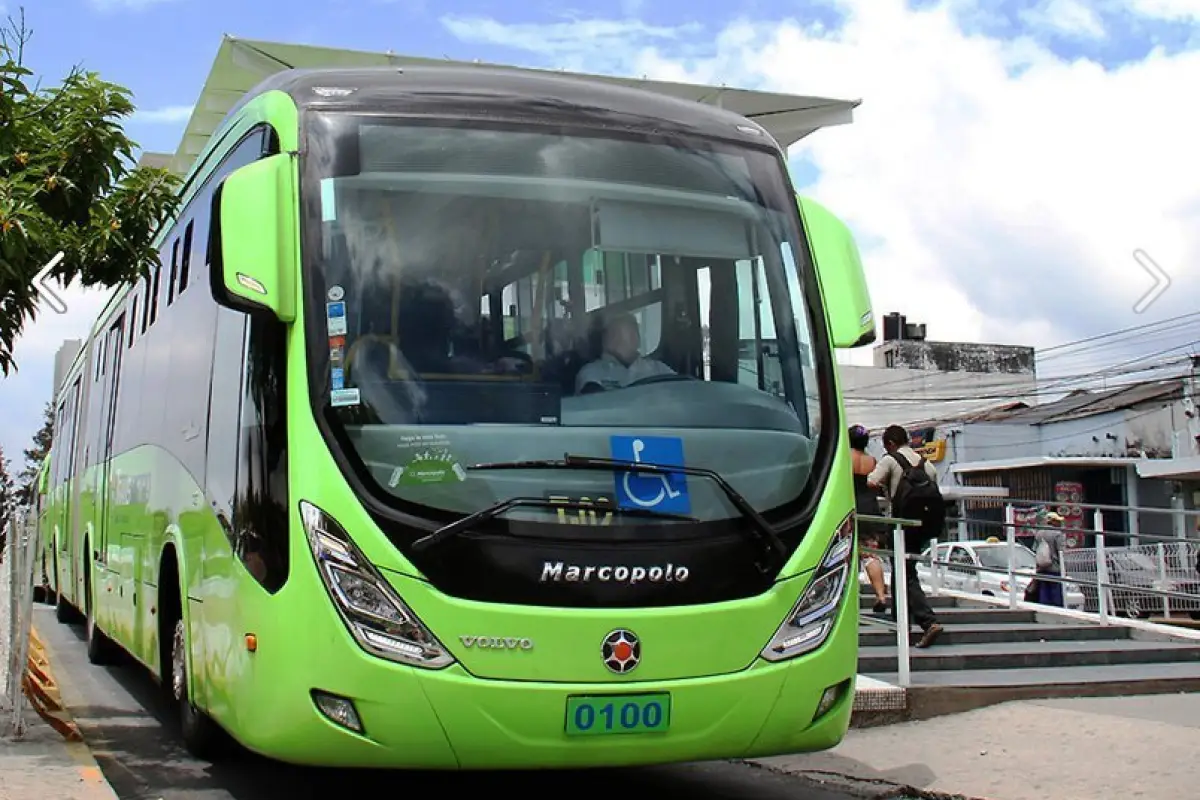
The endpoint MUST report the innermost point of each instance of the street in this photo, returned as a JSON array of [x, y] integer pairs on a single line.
[[132, 733]]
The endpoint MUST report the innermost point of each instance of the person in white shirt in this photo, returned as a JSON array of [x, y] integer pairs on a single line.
[[888, 473], [621, 363]]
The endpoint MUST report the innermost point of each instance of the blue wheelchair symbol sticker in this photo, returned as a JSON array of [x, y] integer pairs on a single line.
[[654, 492]]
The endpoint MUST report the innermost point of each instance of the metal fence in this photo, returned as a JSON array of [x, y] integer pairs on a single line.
[[1159, 578], [1135, 581], [19, 557]]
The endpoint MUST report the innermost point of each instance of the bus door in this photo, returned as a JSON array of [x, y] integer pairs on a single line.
[[114, 583]]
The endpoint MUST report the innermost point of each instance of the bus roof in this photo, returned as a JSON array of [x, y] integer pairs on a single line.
[[241, 64]]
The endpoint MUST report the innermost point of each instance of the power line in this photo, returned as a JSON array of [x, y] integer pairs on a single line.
[[1159, 336], [1194, 315], [1063, 384], [1016, 395], [1179, 323]]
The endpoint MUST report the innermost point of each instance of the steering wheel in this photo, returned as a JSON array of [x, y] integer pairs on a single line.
[[674, 376]]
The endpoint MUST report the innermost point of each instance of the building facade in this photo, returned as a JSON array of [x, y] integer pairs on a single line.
[[914, 379]]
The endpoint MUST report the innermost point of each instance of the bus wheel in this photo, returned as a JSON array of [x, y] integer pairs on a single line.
[[201, 736]]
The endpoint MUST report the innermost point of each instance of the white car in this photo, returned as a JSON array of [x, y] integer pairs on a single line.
[[990, 553]]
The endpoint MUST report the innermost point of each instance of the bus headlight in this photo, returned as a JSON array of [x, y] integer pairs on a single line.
[[809, 622], [377, 618]]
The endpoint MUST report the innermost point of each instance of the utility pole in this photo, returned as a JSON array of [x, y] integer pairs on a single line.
[[1191, 405]]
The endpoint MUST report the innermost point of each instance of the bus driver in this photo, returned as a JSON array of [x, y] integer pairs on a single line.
[[621, 363]]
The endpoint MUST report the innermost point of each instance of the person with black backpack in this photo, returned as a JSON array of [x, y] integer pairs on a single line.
[[910, 482]]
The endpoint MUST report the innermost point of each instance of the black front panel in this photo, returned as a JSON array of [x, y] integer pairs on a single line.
[[592, 566]]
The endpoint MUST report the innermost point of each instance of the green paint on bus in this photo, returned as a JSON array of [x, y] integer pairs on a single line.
[[352, 471]]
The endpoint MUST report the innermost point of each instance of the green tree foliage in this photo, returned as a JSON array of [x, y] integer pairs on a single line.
[[68, 183], [35, 455]]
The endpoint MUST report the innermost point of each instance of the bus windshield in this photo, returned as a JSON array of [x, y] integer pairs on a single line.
[[495, 294]]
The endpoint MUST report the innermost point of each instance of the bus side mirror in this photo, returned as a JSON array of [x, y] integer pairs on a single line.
[[840, 272], [255, 217]]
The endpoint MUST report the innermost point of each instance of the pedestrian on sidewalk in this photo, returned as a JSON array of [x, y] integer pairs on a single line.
[[1049, 543], [910, 483], [866, 501]]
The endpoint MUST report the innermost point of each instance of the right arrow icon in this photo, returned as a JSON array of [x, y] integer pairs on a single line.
[[1162, 281]]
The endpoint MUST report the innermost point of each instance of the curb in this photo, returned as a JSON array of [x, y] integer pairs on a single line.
[[42, 690]]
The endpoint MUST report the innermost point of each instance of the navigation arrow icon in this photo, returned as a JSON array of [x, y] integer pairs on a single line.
[[1162, 281], [41, 285]]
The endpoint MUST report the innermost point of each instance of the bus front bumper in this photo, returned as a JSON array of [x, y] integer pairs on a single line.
[[449, 719]]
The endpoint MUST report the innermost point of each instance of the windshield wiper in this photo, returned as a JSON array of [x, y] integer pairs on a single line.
[[760, 530], [491, 512]]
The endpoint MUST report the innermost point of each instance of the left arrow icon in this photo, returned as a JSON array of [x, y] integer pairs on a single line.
[[41, 285]]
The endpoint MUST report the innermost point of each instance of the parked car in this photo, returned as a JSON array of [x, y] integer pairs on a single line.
[[1138, 570], [965, 558]]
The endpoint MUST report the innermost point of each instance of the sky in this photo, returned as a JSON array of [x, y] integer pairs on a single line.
[[1008, 158]]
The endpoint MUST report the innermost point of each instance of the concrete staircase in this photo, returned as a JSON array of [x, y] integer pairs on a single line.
[[990, 654]]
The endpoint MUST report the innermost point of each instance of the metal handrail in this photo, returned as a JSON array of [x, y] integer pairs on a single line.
[[907, 523], [1016, 501], [1046, 577], [899, 596], [1104, 587], [1086, 531]]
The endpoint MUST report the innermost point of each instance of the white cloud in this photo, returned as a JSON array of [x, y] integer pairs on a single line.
[[1006, 188], [27, 390], [168, 115], [570, 43], [1069, 17], [1174, 10]]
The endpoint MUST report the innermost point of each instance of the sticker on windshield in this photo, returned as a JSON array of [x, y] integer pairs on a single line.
[[335, 318], [653, 492], [435, 466], [337, 378], [328, 200], [343, 397], [430, 460], [336, 293], [337, 350]]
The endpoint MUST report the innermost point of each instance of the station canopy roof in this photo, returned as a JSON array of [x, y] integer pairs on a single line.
[[242, 63]]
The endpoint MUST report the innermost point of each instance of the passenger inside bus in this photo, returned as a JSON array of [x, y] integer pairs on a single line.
[[621, 362]]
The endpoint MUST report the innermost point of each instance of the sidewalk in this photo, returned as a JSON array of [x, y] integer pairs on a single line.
[[42, 765], [1071, 749]]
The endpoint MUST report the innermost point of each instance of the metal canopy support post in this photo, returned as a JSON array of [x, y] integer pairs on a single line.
[[1132, 520], [1011, 535], [900, 597]]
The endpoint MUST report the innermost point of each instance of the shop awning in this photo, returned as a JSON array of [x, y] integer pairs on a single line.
[[1171, 469], [1031, 462]]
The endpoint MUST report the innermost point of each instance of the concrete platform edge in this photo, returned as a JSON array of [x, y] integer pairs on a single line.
[[46, 699]]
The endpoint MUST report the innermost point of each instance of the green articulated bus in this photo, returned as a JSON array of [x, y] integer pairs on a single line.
[[370, 472]]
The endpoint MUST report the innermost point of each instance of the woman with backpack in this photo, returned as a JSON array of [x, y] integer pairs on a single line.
[[910, 483]]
